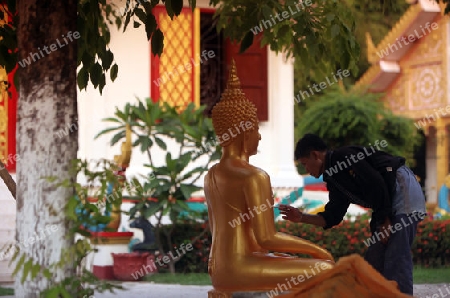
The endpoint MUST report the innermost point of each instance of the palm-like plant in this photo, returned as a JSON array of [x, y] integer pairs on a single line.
[[171, 182]]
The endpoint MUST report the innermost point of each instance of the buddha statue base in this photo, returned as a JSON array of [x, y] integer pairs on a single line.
[[351, 277], [218, 294]]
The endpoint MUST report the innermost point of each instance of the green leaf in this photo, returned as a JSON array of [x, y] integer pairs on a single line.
[[65, 293], [160, 143], [170, 163], [102, 82], [246, 42], [330, 16], [117, 137], [145, 142], [110, 119], [35, 270], [19, 265], [157, 42], [192, 4], [153, 208], [141, 15], [169, 9], [47, 274], [26, 269], [96, 72], [70, 208], [53, 293], [335, 30], [177, 6], [114, 71], [187, 190], [284, 30], [184, 160], [267, 12], [82, 78], [127, 20], [192, 172], [150, 25], [107, 130], [107, 59]]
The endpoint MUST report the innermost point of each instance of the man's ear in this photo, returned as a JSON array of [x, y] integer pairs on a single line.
[[316, 155]]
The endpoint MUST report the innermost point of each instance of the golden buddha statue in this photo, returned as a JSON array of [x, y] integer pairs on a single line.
[[123, 162], [240, 201]]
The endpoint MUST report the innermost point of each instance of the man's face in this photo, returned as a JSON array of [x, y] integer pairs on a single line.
[[313, 164]]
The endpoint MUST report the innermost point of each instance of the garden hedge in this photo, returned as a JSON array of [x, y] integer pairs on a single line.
[[431, 246]]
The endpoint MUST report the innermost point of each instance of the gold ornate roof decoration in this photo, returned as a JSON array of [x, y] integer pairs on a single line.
[[123, 160], [371, 50], [397, 31], [368, 77]]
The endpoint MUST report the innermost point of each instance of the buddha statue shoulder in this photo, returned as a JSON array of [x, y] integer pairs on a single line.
[[240, 200]]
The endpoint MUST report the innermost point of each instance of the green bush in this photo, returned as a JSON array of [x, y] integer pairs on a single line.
[[431, 246], [195, 260], [357, 118]]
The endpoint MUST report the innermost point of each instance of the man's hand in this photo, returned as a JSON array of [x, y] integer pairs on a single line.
[[291, 213], [384, 228]]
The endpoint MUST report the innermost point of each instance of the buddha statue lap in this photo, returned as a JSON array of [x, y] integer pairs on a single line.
[[241, 221]]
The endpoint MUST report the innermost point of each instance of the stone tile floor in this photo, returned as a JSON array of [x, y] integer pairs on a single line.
[[151, 290]]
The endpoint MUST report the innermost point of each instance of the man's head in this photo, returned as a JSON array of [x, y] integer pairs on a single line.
[[310, 152]]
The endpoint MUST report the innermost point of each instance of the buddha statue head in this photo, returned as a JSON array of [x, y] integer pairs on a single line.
[[234, 115]]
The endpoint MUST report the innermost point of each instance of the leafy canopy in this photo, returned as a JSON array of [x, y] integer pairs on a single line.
[[358, 118], [319, 34]]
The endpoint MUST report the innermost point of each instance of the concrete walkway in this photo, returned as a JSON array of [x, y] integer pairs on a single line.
[[152, 290]]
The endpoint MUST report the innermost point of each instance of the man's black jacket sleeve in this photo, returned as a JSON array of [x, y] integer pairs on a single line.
[[335, 209]]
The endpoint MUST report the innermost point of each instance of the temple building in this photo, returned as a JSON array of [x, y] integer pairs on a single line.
[[410, 67]]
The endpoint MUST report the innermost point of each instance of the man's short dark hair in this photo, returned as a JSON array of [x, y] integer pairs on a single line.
[[309, 142]]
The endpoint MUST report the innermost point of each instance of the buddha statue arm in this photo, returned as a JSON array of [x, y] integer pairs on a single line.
[[210, 217], [257, 193], [210, 220]]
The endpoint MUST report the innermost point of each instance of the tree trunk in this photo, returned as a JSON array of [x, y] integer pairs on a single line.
[[47, 104]]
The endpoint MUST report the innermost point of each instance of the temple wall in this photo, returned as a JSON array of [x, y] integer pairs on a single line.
[[132, 54]]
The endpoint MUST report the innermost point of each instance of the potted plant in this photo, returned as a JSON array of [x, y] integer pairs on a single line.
[[168, 186], [95, 200]]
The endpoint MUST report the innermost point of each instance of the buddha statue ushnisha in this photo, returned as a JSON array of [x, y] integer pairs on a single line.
[[241, 219]]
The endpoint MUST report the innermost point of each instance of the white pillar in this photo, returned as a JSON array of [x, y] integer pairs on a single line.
[[278, 132]]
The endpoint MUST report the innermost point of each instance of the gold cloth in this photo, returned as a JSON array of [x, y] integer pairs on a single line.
[[352, 276]]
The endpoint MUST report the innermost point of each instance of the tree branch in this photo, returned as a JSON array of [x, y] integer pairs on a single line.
[[9, 181]]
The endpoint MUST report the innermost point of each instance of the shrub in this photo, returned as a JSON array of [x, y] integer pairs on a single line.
[[431, 247]]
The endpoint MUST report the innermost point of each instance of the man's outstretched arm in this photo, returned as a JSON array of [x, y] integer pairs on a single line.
[[333, 214], [295, 215]]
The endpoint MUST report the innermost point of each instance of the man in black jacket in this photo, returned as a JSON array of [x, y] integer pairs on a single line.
[[374, 179]]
